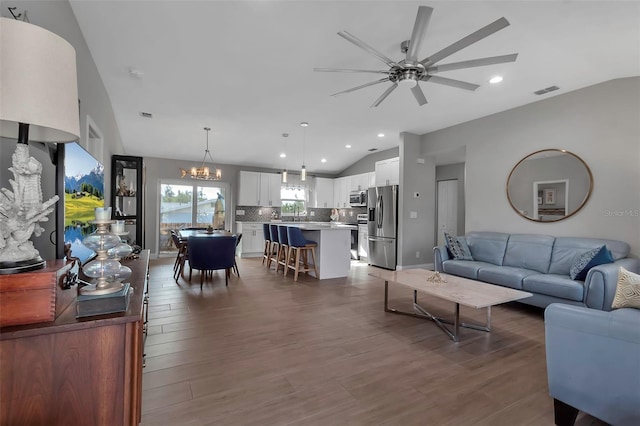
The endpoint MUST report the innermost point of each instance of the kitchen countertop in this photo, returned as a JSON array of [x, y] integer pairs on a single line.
[[310, 226]]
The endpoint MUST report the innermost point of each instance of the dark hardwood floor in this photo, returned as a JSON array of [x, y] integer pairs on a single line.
[[268, 351]]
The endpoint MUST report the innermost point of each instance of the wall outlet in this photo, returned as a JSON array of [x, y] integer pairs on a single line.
[[259, 211], [312, 213], [413, 215], [417, 255], [239, 212], [420, 160]]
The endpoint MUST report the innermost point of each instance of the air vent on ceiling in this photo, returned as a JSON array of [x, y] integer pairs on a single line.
[[372, 149], [547, 90], [146, 114]]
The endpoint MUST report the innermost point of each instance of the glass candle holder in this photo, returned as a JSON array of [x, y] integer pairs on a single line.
[[103, 213]]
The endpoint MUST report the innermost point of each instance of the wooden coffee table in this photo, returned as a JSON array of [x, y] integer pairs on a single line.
[[459, 290]]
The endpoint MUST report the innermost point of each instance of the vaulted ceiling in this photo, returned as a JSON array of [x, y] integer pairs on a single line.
[[245, 69]]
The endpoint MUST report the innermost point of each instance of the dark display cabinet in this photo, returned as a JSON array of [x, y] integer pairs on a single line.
[[127, 196]]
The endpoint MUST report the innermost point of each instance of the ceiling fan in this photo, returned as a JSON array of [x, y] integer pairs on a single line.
[[409, 71]]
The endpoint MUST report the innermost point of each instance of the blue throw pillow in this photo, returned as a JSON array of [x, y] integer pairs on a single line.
[[457, 247], [584, 262]]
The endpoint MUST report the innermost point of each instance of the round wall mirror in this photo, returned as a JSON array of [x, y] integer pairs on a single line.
[[549, 185]]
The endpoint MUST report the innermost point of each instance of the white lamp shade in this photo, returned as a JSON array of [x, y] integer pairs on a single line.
[[38, 83]]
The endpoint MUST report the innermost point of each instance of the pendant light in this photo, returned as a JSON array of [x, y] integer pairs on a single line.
[[284, 155], [204, 172], [303, 171]]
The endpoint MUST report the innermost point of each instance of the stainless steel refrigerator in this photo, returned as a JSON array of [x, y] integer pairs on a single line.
[[382, 208]]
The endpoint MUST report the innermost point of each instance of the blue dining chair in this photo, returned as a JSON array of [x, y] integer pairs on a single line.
[[283, 250], [208, 254], [275, 246], [301, 247], [181, 256], [266, 232]]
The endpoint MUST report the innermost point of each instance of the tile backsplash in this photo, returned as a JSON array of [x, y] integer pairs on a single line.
[[265, 214]]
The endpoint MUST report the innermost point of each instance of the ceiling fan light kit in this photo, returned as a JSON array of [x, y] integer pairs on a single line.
[[409, 71]]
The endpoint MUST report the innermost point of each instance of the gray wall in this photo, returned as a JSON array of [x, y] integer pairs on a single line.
[[600, 124], [57, 17], [367, 164], [415, 235]]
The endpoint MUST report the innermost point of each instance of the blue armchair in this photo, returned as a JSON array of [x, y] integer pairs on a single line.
[[208, 254], [593, 363]]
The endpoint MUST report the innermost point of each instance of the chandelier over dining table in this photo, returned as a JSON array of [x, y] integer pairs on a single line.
[[204, 171]]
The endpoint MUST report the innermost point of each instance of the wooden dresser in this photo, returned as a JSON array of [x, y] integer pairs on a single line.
[[77, 371]]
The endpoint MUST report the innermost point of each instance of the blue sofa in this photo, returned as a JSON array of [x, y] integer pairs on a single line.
[[540, 264], [593, 363]]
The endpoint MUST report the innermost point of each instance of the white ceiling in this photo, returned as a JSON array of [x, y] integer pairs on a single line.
[[245, 69]]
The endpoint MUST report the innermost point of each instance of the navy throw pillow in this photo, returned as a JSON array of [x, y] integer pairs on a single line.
[[457, 247], [587, 260]]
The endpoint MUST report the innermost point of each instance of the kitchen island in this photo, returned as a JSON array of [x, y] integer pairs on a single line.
[[333, 253]]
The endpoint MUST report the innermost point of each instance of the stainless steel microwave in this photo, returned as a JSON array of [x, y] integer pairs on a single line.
[[358, 198]]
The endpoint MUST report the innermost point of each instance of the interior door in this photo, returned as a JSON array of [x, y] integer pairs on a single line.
[[447, 208]]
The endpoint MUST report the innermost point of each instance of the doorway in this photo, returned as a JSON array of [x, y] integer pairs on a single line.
[[447, 215]]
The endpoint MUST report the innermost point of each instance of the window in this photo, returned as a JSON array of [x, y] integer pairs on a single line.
[[190, 204], [294, 201]]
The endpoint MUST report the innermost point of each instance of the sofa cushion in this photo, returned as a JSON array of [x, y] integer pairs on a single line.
[[565, 250], [463, 268], [627, 290], [554, 285], [506, 276], [487, 246], [457, 246], [529, 252], [587, 260]]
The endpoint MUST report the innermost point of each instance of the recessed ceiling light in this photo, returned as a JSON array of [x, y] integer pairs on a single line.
[[347, 146], [283, 155], [324, 160], [496, 79], [381, 135]]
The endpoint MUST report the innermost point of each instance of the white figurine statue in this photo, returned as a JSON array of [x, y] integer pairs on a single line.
[[22, 209]]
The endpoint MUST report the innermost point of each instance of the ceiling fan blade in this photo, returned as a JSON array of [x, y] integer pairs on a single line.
[[382, 80], [349, 70], [466, 41], [418, 94], [384, 95], [364, 46], [417, 36], [453, 83], [473, 63]]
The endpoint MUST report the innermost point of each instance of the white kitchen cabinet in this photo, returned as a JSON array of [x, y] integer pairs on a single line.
[[372, 179], [388, 172], [259, 189], [252, 243], [249, 189], [360, 182], [341, 192], [323, 193], [270, 184]]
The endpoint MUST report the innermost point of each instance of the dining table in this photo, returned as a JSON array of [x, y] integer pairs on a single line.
[[184, 234]]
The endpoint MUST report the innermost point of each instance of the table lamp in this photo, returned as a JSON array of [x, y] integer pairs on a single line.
[[38, 103]]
